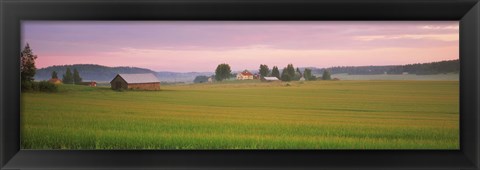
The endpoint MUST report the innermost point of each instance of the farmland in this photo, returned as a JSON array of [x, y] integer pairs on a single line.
[[360, 114]]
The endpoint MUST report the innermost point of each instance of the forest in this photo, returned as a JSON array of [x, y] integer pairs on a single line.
[[441, 67]]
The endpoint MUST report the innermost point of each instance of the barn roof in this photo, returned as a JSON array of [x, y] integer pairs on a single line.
[[270, 78], [246, 73], [139, 78]]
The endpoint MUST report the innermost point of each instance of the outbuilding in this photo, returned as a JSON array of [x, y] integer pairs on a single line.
[[269, 79], [55, 81], [147, 81]]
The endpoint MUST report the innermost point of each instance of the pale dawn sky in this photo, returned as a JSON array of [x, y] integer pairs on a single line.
[[185, 46]]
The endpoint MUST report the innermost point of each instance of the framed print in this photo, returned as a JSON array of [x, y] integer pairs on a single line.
[[239, 84]]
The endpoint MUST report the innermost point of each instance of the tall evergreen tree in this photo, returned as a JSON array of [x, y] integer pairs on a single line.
[[298, 74], [27, 65], [54, 75], [222, 72], [298, 71], [326, 75], [290, 71], [67, 77], [275, 72], [264, 70], [307, 74], [76, 77], [285, 76]]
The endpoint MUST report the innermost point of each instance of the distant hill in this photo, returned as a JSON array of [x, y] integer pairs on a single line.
[[441, 67], [101, 73], [89, 71]]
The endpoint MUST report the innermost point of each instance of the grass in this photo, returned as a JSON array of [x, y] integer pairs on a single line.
[[247, 115]]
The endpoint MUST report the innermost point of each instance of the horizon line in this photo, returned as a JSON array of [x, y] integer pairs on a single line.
[[280, 68]]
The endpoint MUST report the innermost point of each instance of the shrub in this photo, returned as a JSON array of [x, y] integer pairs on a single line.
[[26, 86], [46, 86], [42, 86]]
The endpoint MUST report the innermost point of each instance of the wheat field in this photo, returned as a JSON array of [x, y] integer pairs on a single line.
[[248, 115]]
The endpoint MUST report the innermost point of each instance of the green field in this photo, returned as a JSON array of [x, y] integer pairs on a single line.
[[248, 115]]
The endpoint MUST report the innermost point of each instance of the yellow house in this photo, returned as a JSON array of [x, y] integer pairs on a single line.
[[245, 75]]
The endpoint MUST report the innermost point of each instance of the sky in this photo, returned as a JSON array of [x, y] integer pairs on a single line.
[[197, 46]]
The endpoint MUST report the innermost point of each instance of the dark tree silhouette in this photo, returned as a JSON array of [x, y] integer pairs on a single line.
[[264, 70], [275, 72], [27, 66], [68, 77], [54, 75], [76, 77], [222, 72], [326, 75]]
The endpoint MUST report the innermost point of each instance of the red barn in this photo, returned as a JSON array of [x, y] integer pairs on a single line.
[[92, 84]]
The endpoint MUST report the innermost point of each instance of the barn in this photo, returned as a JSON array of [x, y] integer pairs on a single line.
[[146, 81], [269, 79], [55, 81]]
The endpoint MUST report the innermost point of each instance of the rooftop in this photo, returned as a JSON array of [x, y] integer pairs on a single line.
[[246, 73], [270, 78]]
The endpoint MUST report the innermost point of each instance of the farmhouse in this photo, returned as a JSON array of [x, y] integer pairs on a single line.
[[269, 79], [245, 75], [135, 81]]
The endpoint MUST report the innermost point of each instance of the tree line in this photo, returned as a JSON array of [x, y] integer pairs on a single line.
[[441, 67], [90, 71], [289, 73], [68, 77]]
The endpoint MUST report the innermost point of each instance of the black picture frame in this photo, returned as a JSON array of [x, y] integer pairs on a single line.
[[14, 11]]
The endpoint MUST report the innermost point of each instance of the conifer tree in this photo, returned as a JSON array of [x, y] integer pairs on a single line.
[[76, 77], [54, 75], [27, 65], [290, 71], [326, 75], [264, 70], [285, 75], [307, 74], [275, 72], [67, 77]]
